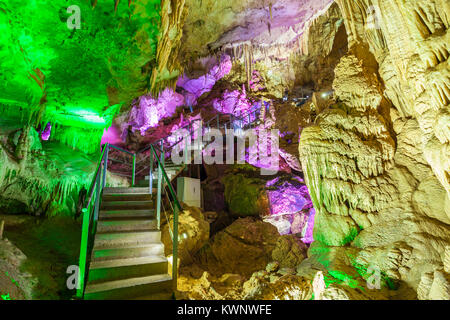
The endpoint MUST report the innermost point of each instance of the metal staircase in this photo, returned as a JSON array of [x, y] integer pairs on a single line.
[[121, 253]]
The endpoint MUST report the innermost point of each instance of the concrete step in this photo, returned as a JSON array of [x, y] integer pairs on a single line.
[[108, 226], [128, 288], [113, 240], [125, 190], [109, 270], [126, 214], [126, 252], [157, 296], [127, 197], [126, 205]]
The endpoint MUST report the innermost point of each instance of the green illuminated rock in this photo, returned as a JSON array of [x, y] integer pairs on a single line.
[[78, 78]]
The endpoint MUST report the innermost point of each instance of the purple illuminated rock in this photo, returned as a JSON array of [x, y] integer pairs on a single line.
[[47, 131], [233, 102], [194, 88], [149, 111], [292, 211], [111, 136]]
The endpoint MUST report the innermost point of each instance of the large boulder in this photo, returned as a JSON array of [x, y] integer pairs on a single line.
[[242, 248], [245, 196], [263, 286], [193, 233], [289, 251]]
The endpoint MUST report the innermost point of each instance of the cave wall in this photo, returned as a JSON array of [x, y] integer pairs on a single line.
[[377, 161]]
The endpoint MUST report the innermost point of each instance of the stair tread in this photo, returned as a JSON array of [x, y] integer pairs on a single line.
[[126, 262], [125, 283], [129, 246], [129, 190], [121, 235], [129, 202], [124, 222], [119, 212]]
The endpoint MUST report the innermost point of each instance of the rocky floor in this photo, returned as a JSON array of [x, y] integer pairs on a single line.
[[35, 255]]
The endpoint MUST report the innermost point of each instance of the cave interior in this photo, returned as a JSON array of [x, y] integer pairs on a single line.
[[237, 150]]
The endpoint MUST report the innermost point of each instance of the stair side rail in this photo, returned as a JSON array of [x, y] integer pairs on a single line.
[[90, 212], [177, 208]]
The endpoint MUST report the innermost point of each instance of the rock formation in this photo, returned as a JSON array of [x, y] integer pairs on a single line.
[[376, 159]]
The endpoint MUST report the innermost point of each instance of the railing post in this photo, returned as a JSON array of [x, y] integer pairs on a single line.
[[105, 165], [175, 247], [159, 192], [133, 178], [97, 203], [187, 142], [151, 172], [83, 254], [162, 153]]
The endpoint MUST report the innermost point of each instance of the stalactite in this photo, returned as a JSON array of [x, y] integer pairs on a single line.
[[165, 74]]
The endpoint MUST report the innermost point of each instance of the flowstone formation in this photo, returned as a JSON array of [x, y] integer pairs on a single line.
[[375, 158]]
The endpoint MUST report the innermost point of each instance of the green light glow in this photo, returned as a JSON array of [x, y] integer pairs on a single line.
[[81, 76], [5, 296]]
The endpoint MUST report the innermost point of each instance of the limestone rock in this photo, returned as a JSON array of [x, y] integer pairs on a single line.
[[429, 199], [193, 233], [434, 286], [245, 196], [289, 251], [243, 248], [288, 287], [273, 266]]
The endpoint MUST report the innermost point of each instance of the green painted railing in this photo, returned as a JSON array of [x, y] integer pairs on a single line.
[[90, 211], [163, 180]]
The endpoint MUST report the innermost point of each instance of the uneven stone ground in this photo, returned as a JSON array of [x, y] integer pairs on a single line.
[[36, 255]]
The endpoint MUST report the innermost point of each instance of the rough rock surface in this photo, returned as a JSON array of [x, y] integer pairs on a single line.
[[14, 285], [376, 163], [264, 286], [289, 251], [243, 248], [193, 233], [245, 196]]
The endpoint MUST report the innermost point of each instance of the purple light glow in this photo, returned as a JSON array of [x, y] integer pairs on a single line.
[[233, 102], [256, 83], [46, 133], [194, 88], [150, 111], [292, 211], [179, 132], [288, 198], [111, 136]]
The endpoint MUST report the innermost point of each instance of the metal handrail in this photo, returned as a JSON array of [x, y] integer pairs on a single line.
[[90, 218], [169, 183], [163, 175], [91, 188]]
